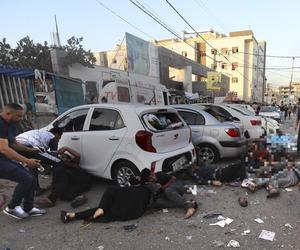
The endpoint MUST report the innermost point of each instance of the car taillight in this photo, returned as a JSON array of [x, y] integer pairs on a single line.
[[233, 132], [255, 122], [144, 141], [152, 167]]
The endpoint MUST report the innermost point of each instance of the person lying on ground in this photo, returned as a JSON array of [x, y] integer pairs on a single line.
[[69, 181], [12, 169], [172, 192], [117, 204], [34, 142], [287, 178], [211, 174]]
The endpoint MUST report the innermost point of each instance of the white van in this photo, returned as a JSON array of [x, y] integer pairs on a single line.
[[118, 91]]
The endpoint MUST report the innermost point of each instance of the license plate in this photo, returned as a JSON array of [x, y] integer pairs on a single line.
[[178, 163]]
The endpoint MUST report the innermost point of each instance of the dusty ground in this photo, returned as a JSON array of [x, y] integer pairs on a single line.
[[159, 230]]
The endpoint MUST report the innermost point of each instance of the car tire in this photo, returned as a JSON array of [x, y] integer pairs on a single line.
[[207, 153], [123, 171]]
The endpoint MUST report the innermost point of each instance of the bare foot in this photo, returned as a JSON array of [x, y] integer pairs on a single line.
[[189, 212], [98, 213], [70, 215]]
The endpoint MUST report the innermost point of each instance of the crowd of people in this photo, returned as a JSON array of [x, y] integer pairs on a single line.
[[23, 156]]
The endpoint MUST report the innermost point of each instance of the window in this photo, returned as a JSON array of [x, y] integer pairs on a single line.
[[184, 53], [235, 79], [123, 94], [192, 118], [213, 51], [235, 50], [162, 121], [224, 51], [234, 65], [106, 119], [73, 121], [213, 66], [224, 65]]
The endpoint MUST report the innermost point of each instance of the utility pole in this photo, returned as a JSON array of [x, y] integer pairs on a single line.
[[57, 34], [290, 94]]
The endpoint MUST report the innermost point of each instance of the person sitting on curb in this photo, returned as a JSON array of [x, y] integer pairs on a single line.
[[117, 204], [11, 169], [69, 181], [172, 192]]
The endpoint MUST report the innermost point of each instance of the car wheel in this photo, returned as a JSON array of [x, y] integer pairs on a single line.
[[123, 171], [207, 153]]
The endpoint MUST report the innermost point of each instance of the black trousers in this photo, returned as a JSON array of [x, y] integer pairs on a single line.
[[231, 172], [67, 183]]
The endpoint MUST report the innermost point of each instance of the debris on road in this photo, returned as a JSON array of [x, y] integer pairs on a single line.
[[212, 215], [243, 201], [167, 238], [193, 190], [259, 221], [130, 227], [288, 189], [287, 225], [222, 223], [233, 243], [165, 210], [188, 237], [218, 243], [267, 235], [21, 231], [100, 248], [246, 232]]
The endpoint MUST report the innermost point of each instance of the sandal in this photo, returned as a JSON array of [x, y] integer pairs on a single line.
[[64, 217]]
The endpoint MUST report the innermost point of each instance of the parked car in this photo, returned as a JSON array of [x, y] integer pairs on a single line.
[[213, 139], [117, 141], [271, 112], [270, 125], [252, 124]]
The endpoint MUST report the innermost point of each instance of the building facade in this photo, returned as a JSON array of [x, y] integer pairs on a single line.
[[239, 56]]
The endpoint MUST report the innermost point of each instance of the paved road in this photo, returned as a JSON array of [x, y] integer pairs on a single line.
[[159, 230]]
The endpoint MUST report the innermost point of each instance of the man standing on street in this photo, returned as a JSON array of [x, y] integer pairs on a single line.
[[11, 170]]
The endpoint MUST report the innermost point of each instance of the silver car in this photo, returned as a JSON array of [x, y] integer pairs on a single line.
[[212, 138]]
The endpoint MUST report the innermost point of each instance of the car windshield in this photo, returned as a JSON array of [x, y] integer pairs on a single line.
[[268, 109]]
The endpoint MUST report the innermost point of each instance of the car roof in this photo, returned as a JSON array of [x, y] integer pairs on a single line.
[[139, 108]]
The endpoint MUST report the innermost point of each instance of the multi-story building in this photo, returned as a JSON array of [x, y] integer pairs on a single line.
[[239, 56]]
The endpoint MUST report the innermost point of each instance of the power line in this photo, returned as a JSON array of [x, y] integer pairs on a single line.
[[133, 26], [202, 37]]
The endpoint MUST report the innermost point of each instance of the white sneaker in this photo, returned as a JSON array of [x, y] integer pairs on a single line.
[[36, 212], [16, 212]]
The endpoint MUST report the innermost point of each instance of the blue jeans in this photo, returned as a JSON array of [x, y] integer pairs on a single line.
[[24, 191]]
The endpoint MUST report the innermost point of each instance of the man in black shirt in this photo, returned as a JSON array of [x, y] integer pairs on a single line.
[[11, 170]]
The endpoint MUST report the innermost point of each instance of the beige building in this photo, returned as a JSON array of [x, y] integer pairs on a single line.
[[239, 56], [288, 95]]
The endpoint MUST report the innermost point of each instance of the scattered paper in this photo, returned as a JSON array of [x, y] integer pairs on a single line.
[[267, 235], [100, 247], [220, 217], [287, 225], [210, 191], [259, 221], [167, 238], [165, 210], [246, 232], [222, 223], [188, 237], [21, 231], [233, 243], [288, 189]]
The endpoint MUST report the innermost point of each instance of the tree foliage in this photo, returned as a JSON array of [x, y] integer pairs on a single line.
[[28, 54]]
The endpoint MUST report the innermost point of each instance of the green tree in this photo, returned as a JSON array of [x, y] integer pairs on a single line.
[[76, 53]]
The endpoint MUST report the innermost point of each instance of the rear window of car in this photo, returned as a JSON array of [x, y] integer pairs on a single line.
[[160, 121]]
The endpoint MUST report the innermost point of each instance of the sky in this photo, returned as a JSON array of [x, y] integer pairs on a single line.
[[273, 21]]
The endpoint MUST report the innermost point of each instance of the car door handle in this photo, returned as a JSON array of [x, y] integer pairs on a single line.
[[114, 138], [75, 138]]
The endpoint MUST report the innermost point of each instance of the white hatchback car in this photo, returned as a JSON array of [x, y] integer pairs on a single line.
[[117, 141]]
